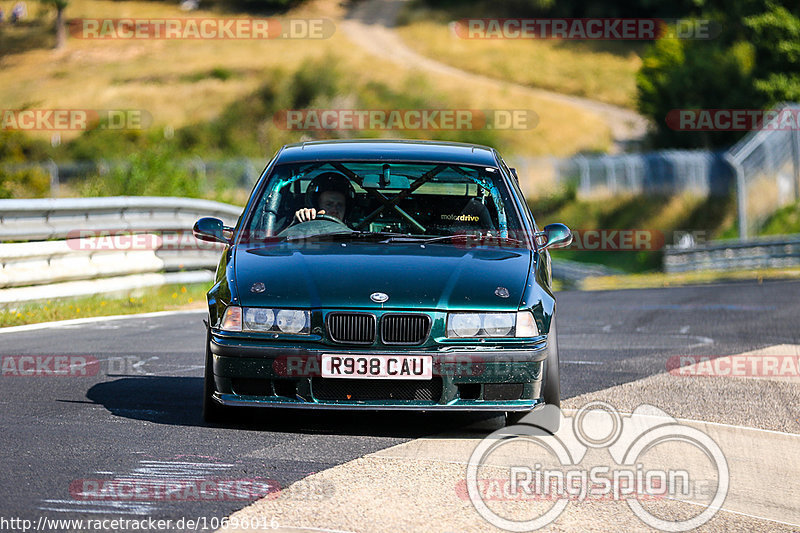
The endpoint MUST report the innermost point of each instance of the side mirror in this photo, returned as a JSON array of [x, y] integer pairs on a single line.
[[210, 229], [554, 236]]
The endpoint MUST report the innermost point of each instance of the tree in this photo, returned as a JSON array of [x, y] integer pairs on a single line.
[[61, 31], [754, 63], [776, 38]]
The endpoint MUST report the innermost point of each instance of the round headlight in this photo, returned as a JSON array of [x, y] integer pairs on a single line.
[[290, 321], [498, 324], [259, 319], [465, 325]]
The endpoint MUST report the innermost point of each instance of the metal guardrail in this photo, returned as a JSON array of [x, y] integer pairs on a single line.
[[572, 273], [88, 256], [765, 252], [58, 218]]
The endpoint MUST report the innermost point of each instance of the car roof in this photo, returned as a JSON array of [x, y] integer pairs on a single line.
[[389, 150]]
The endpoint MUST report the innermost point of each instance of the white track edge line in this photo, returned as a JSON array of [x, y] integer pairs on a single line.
[[93, 319]]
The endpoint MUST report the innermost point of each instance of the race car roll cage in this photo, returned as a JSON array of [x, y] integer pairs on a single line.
[[274, 198]]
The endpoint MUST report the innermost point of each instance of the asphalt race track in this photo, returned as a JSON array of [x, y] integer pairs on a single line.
[[139, 416]]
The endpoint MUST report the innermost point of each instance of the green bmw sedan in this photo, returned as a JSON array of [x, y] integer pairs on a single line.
[[378, 274]]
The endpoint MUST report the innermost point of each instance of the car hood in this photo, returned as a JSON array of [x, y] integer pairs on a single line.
[[342, 275]]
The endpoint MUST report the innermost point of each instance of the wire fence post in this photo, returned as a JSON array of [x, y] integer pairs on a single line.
[[52, 168], [796, 162], [586, 184]]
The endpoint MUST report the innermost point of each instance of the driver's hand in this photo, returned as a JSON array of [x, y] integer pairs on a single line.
[[308, 213]]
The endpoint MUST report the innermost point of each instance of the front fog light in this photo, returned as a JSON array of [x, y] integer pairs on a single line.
[[291, 321], [232, 320], [526, 325]]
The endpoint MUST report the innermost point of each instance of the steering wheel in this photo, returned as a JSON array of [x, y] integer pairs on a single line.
[[325, 224], [329, 218]]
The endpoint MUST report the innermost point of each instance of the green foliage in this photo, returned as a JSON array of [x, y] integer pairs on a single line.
[[101, 143], [256, 6], [784, 221], [753, 64], [546, 206], [567, 8], [678, 74], [16, 147], [58, 4], [776, 38], [24, 183], [17, 181], [157, 171], [660, 214]]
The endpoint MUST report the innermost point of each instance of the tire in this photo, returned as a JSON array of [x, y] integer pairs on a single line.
[[551, 389], [213, 412], [514, 417]]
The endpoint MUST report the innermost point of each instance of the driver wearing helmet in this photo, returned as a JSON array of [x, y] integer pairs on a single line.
[[330, 193]]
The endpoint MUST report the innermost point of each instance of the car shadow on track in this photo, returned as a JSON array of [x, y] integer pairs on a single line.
[[178, 401]]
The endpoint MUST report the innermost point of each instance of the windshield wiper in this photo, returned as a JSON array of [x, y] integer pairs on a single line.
[[339, 235], [483, 238]]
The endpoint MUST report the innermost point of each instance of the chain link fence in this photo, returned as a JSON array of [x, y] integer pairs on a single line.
[[241, 172], [767, 170], [764, 166], [661, 172]]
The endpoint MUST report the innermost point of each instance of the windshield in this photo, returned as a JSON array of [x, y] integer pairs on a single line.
[[401, 200]]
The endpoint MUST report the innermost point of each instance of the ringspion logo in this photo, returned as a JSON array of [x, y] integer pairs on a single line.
[[651, 456], [201, 28]]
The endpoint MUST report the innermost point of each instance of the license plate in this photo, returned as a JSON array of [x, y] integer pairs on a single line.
[[377, 366]]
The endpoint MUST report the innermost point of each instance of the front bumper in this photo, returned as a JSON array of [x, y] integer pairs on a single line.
[[473, 378]]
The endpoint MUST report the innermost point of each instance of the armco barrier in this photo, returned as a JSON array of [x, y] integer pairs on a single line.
[[763, 252], [55, 218], [39, 269]]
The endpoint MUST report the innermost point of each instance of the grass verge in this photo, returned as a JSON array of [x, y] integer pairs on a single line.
[[659, 279], [663, 218], [600, 71], [144, 300]]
